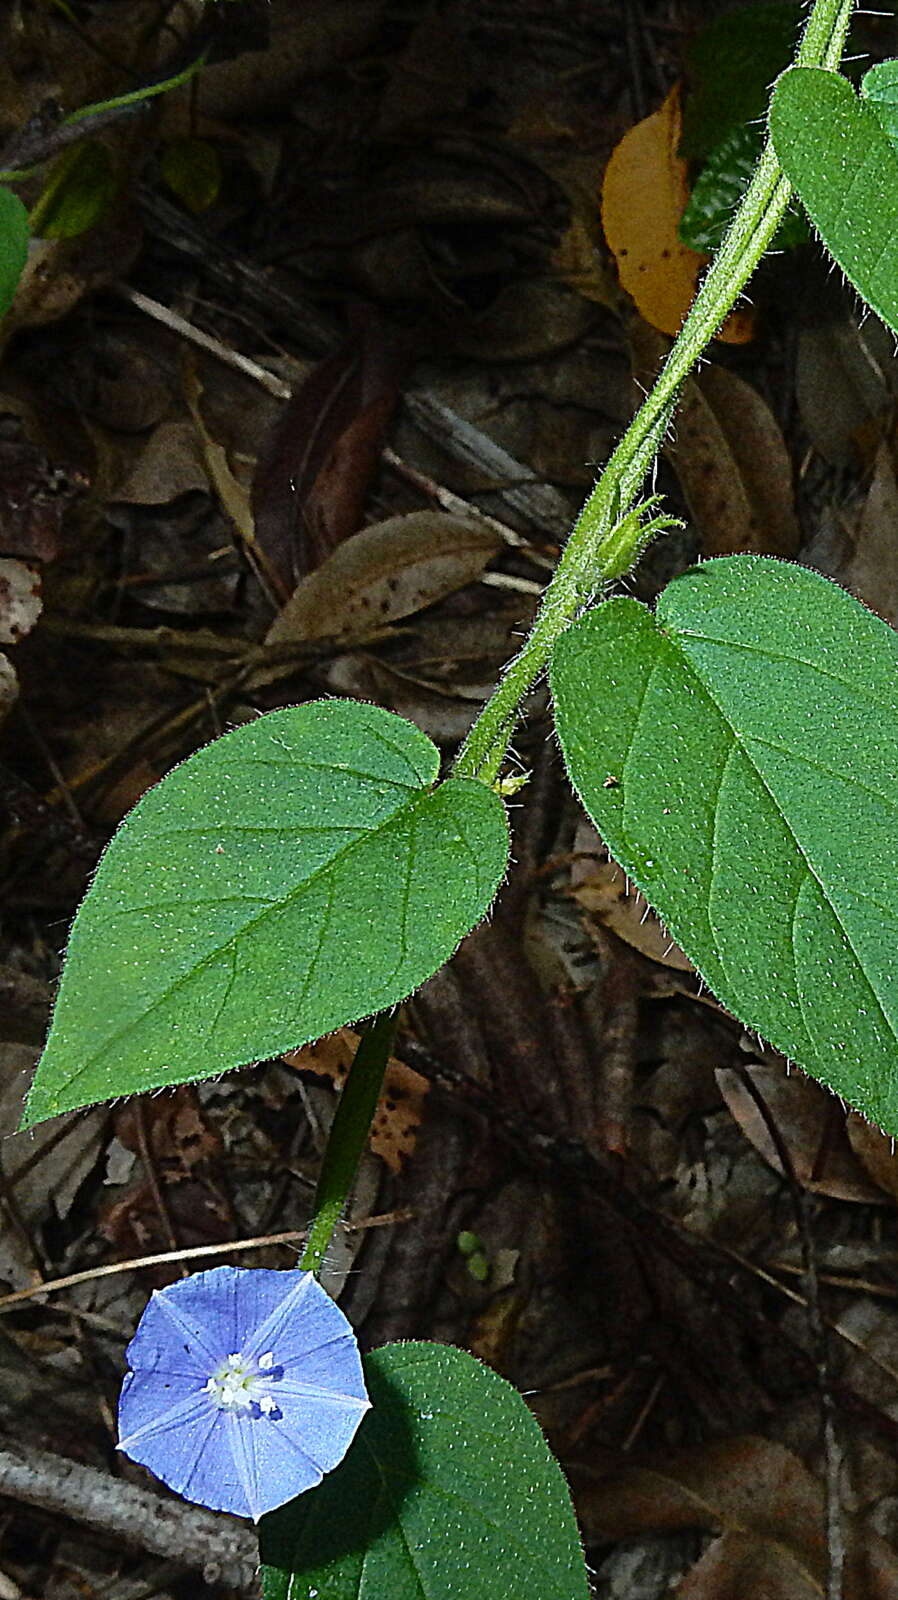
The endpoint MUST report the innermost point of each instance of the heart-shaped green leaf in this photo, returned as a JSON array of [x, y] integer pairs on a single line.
[[879, 88], [835, 151], [299, 873], [738, 752], [13, 246], [449, 1492]]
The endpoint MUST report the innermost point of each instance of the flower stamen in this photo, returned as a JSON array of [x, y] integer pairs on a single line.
[[237, 1385]]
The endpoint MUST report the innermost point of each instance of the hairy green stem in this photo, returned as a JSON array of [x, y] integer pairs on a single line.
[[607, 538], [348, 1136], [605, 542]]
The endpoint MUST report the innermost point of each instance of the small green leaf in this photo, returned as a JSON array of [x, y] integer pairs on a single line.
[[844, 167], [478, 1266], [718, 190], [13, 246], [79, 191], [192, 170], [297, 874], [468, 1242], [879, 88], [752, 729], [448, 1493]]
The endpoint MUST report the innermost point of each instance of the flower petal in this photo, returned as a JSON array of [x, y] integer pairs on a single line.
[[288, 1305], [193, 1320], [213, 1479], [335, 1366], [322, 1425], [272, 1465], [304, 1321], [147, 1398], [300, 1377], [188, 1448]]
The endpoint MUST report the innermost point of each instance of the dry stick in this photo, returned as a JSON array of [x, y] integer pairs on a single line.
[[205, 341], [197, 1252], [222, 1549], [506, 480], [797, 1299], [835, 1534], [432, 414]]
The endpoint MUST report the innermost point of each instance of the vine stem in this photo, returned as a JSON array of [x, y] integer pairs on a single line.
[[608, 536], [348, 1136], [604, 543]]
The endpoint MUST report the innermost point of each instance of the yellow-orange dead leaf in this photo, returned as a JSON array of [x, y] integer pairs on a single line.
[[400, 1107], [644, 193]]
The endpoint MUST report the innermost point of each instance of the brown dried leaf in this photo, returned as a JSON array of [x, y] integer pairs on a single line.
[[644, 194], [527, 321], [442, 668], [56, 1160], [315, 469], [335, 504], [579, 264], [492, 1334], [810, 1123], [168, 464], [387, 571], [600, 886], [306, 41], [575, 165], [134, 1225], [871, 568], [730, 457], [178, 1133], [119, 381], [400, 1107], [59, 272], [876, 1153], [443, 716], [234, 496], [430, 77], [738, 1565], [844, 382], [746, 1487], [185, 561]]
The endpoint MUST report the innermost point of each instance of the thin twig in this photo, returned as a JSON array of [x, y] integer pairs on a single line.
[[283, 391], [221, 1548], [205, 341], [195, 1253]]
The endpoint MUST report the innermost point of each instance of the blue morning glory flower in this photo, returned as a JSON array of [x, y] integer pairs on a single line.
[[245, 1388]]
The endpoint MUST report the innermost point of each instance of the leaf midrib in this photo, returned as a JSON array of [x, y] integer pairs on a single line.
[[403, 814], [676, 634], [738, 739]]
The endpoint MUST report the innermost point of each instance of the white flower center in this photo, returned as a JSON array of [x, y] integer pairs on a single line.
[[241, 1384]]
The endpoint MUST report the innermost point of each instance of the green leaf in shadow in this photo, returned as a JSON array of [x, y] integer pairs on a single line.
[[448, 1490], [302, 872], [738, 752]]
